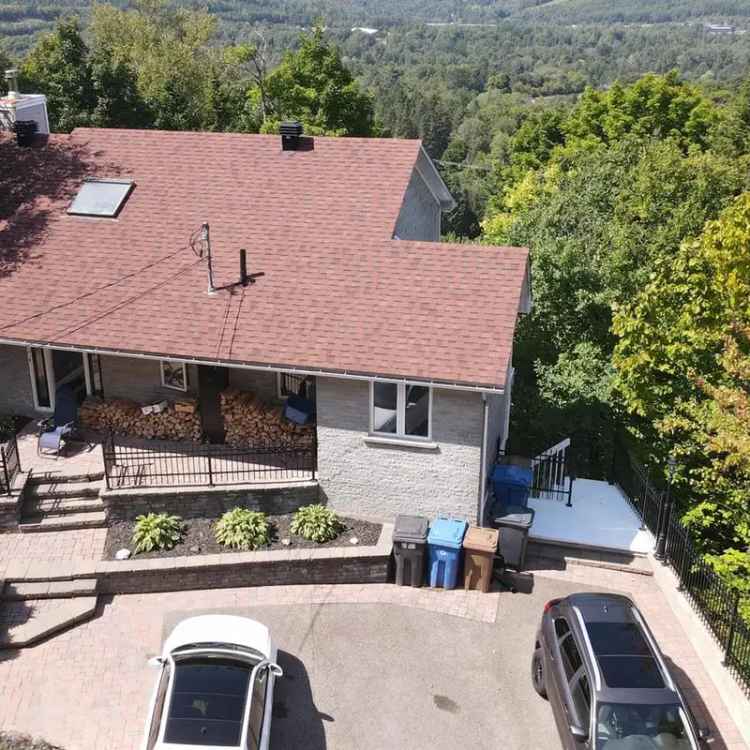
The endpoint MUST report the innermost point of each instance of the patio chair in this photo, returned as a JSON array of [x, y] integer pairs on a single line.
[[54, 430]]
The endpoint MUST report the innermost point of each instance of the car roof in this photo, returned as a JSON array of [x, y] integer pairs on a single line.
[[218, 630], [620, 647]]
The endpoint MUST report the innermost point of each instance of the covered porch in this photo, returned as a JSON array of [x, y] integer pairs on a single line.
[[132, 463]]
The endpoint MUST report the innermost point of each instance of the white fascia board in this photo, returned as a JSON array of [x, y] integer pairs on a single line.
[[344, 375]]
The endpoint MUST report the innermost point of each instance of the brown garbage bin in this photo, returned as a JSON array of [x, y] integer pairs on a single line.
[[480, 545]]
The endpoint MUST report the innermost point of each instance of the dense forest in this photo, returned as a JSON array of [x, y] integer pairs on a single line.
[[613, 141]]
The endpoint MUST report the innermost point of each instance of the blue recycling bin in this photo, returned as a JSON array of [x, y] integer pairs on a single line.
[[444, 544], [511, 484]]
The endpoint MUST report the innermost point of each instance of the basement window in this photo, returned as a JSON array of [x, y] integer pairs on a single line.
[[102, 198], [401, 410]]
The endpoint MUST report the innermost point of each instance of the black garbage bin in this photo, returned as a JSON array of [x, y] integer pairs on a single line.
[[409, 548], [514, 523]]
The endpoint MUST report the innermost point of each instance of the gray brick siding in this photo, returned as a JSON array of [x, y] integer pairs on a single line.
[[16, 395], [380, 481], [263, 384], [140, 380], [419, 218]]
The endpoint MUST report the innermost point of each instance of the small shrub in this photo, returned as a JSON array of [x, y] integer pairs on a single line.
[[241, 528], [316, 523], [157, 531]]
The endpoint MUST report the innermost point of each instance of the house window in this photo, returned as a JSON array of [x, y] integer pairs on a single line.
[[400, 409], [174, 375], [42, 378]]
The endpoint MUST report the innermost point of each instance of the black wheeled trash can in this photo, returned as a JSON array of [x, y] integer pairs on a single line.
[[409, 549], [514, 524]]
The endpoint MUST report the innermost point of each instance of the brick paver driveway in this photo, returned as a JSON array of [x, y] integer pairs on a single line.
[[367, 667]]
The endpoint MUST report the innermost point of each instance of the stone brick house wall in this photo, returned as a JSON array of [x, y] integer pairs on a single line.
[[364, 477], [16, 395]]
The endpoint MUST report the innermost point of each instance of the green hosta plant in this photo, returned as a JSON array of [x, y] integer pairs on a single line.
[[241, 528], [316, 523], [157, 531]]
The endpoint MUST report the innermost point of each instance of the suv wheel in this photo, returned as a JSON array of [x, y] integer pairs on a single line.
[[537, 673]]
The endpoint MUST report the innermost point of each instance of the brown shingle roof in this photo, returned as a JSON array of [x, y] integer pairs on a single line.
[[338, 294]]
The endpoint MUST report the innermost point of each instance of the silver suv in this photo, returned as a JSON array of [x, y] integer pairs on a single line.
[[597, 662]]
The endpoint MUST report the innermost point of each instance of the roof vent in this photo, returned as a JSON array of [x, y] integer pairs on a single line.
[[19, 109], [291, 135]]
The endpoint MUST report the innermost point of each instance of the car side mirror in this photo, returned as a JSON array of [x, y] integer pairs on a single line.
[[275, 670], [579, 734], [155, 661]]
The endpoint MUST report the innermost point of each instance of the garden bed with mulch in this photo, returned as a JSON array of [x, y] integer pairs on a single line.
[[199, 537]]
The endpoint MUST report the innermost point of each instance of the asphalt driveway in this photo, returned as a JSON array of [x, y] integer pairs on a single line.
[[375, 676]]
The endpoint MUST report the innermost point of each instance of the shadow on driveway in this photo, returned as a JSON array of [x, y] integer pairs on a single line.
[[296, 722]]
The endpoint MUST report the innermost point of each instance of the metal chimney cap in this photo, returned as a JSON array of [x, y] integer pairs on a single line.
[[292, 128]]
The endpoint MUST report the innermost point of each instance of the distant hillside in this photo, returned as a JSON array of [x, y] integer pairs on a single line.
[[634, 11], [21, 21]]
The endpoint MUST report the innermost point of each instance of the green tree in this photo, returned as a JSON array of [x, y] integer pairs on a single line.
[[58, 67], [654, 106], [312, 85], [683, 363]]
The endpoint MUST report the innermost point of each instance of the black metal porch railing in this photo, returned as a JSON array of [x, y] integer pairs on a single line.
[[131, 463], [10, 465], [717, 604]]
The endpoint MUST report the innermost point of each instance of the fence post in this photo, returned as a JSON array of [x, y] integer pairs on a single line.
[[5, 470], [210, 467], [732, 627], [105, 459]]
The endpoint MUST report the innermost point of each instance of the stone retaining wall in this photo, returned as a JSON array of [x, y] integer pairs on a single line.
[[365, 564], [207, 502]]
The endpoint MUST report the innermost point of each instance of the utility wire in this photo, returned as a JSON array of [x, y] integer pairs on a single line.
[[224, 324], [108, 285], [127, 301]]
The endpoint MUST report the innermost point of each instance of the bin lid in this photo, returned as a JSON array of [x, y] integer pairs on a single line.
[[481, 539], [516, 516], [410, 529], [522, 461], [505, 474], [447, 532]]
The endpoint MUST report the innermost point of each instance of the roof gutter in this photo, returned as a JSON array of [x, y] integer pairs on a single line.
[[342, 374]]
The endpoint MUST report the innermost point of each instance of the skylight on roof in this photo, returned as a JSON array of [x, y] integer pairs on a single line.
[[100, 197]]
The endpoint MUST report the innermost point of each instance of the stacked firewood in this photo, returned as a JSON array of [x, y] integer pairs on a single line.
[[125, 417], [248, 421]]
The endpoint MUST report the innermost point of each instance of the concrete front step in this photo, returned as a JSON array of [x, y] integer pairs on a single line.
[[23, 623], [63, 521], [37, 506], [63, 489], [571, 554], [51, 478], [21, 590]]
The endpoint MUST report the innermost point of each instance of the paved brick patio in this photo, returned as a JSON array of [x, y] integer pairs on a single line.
[[51, 547]]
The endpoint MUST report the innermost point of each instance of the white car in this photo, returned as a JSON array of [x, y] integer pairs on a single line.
[[215, 688]]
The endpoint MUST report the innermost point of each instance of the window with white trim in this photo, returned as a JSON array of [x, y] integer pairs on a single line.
[[174, 375], [42, 378], [401, 410]]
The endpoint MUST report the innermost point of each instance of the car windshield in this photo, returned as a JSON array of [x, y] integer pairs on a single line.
[[626, 726], [208, 702]]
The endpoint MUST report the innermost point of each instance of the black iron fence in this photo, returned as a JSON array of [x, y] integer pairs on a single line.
[[719, 606], [10, 465], [132, 463], [553, 477]]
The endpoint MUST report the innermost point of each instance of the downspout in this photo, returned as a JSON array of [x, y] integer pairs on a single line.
[[483, 459]]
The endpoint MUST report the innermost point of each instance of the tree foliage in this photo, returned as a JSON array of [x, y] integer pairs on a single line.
[[312, 85]]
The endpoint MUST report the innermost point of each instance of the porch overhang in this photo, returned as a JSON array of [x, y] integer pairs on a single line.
[[262, 367]]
